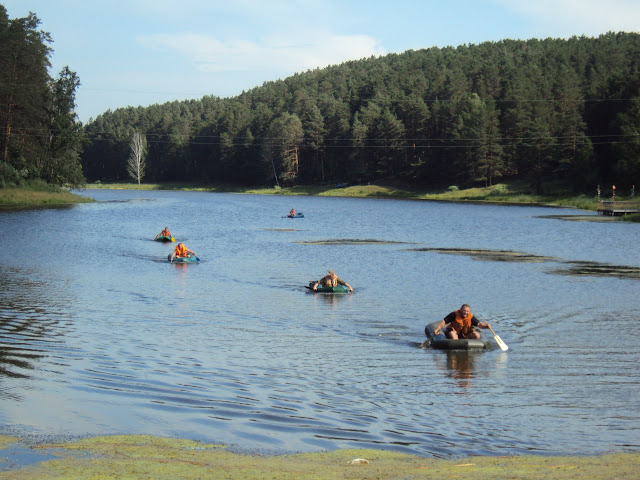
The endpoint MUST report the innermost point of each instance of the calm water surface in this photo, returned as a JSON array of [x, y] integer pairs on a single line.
[[99, 334]]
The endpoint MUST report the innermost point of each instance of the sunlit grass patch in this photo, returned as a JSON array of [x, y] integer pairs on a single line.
[[27, 197], [7, 440], [141, 457]]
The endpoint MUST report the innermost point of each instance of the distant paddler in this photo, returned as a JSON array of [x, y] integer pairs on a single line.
[[331, 280], [165, 234]]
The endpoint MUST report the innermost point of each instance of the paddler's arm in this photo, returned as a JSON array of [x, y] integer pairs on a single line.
[[477, 323], [342, 282], [438, 328]]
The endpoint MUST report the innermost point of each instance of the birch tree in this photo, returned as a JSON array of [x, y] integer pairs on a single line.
[[136, 164]]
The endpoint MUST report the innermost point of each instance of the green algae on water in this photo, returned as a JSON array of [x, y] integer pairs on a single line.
[[595, 269], [490, 255], [350, 241]]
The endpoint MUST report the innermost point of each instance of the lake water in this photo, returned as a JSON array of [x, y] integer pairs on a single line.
[[99, 334]]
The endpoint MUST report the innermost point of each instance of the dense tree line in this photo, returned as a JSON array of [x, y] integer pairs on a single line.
[[539, 109], [40, 136]]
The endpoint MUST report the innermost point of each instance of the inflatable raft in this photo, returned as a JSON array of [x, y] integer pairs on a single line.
[[444, 343], [321, 289], [164, 238], [297, 215], [188, 259]]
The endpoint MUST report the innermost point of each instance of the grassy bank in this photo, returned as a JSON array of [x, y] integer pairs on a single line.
[[38, 194], [142, 457]]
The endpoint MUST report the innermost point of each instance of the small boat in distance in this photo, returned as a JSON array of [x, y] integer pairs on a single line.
[[324, 289], [294, 214], [164, 238]]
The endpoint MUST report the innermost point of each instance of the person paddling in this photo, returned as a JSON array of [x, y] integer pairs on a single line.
[[164, 233], [459, 324], [181, 251], [292, 213], [331, 280]]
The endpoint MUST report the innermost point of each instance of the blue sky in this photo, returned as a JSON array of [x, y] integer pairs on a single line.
[[141, 52]]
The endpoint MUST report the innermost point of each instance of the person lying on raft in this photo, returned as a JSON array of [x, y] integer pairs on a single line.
[[331, 280], [460, 324], [181, 251], [164, 233]]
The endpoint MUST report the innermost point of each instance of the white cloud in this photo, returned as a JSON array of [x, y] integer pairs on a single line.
[[272, 53], [588, 17]]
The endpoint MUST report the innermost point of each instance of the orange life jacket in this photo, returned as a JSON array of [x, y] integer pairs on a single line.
[[181, 250], [330, 281], [462, 325], [165, 233]]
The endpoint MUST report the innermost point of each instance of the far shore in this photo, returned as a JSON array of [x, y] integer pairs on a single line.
[[508, 193]]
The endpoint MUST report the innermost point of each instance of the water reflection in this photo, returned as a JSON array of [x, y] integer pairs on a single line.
[[457, 365], [31, 326], [332, 299]]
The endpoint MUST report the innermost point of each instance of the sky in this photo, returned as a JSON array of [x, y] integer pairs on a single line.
[[143, 52]]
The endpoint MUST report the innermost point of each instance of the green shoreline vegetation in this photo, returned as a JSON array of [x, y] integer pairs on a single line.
[[38, 193], [160, 458], [508, 193]]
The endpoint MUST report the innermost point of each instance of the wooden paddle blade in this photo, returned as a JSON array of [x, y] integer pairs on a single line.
[[501, 344]]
